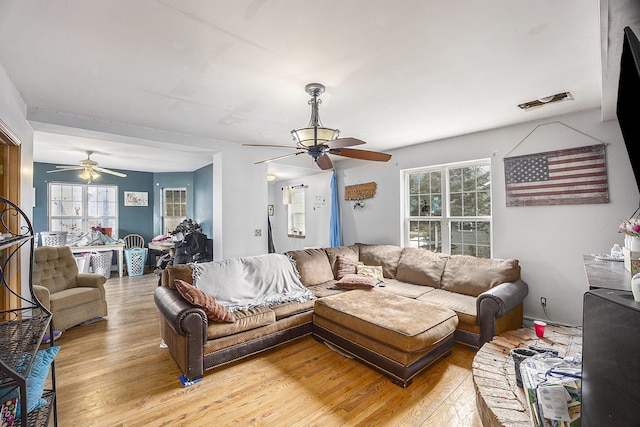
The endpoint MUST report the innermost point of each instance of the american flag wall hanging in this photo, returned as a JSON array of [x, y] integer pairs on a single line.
[[562, 177]]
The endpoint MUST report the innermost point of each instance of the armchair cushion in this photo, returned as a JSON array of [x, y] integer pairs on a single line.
[[54, 268]]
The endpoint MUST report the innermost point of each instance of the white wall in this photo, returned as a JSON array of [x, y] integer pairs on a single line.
[[549, 241], [317, 213]]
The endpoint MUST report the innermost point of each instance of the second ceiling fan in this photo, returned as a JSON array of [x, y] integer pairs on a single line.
[[319, 141]]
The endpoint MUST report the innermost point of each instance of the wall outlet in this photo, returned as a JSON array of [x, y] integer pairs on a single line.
[[258, 232], [543, 301]]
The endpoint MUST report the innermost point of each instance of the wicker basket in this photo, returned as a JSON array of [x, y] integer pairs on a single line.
[[518, 355], [54, 238], [101, 263]]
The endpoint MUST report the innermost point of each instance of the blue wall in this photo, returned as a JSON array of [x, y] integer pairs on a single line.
[[203, 198], [143, 220], [170, 180], [132, 219]]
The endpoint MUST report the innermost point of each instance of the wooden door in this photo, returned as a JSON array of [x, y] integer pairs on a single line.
[[10, 151]]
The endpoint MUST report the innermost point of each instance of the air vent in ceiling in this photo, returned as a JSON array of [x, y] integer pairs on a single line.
[[540, 102]]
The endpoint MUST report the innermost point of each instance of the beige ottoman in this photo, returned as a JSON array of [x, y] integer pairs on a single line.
[[396, 335]]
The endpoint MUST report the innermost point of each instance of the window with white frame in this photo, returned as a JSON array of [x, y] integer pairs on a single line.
[[447, 208], [80, 207], [174, 209], [296, 214]]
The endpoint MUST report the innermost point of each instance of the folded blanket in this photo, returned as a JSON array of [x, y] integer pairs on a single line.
[[245, 282]]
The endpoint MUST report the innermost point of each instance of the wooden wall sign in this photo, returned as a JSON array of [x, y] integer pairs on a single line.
[[360, 191]]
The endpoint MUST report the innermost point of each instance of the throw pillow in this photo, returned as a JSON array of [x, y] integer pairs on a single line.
[[36, 378], [345, 265], [213, 310], [357, 281], [374, 271], [8, 414]]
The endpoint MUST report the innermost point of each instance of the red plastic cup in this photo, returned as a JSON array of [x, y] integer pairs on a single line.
[[540, 325]]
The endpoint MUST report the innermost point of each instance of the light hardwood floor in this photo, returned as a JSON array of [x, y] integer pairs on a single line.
[[114, 373]]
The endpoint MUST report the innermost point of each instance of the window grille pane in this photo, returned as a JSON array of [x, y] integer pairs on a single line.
[[469, 204], [484, 203], [436, 205], [414, 205], [425, 235], [455, 204], [455, 180]]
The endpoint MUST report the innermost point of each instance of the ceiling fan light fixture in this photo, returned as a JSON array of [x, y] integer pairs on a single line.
[[86, 174], [308, 137], [314, 133]]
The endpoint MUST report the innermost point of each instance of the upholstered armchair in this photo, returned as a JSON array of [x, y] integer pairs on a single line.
[[72, 297]]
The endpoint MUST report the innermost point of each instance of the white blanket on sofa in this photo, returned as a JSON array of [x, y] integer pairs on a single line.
[[245, 282]]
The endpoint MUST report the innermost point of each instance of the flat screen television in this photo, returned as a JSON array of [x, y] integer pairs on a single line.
[[610, 359], [628, 99]]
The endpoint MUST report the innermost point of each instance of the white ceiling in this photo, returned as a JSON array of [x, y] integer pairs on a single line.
[[397, 73]]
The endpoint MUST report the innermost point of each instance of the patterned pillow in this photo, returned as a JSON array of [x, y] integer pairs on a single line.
[[357, 281], [345, 265], [9, 410], [374, 271], [213, 310]]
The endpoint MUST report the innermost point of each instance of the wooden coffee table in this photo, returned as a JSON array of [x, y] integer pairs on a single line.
[[499, 400]]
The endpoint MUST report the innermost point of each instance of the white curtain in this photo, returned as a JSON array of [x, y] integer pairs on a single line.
[[287, 196]]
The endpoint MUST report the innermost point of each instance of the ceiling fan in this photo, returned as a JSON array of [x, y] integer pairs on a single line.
[[319, 141], [89, 169]]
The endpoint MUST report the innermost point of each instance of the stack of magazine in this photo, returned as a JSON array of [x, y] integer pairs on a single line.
[[552, 387]]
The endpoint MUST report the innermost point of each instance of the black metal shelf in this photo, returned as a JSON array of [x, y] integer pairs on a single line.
[[23, 327], [40, 417], [20, 338]]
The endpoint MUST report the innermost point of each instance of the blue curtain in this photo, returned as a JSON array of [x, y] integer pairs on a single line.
[[335, 237]]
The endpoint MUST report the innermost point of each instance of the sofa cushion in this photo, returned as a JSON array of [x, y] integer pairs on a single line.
[[351, 252], [73, 297], [345, 266], [290, 308], [357, 281], [403, 323], [245, 320], [405, 289], [463, 305], [385, 255], [213, 310], [183, 272], [421, 266], [471, 275], [313, 266], [326, 289]]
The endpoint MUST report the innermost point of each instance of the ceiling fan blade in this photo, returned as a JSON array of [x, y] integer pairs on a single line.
[[110, 172], [66, 169], [279, 157], [344, 142], [324, 162], [361, 154]]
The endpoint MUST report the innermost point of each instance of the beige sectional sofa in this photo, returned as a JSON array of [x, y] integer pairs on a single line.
[[486, 295]]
